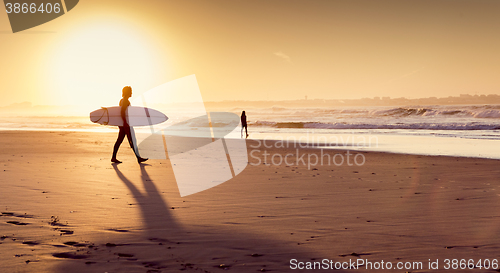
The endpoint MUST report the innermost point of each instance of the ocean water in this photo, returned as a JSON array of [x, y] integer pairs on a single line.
[[470, 130], [464, 130], [456, 130], [445, 118]]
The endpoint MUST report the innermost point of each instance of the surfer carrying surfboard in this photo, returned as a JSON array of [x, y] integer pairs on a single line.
[[125, 130]]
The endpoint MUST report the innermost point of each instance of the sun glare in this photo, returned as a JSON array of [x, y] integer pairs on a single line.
[[90, 66]]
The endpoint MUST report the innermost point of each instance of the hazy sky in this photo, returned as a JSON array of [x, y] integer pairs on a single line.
[[255, 50]]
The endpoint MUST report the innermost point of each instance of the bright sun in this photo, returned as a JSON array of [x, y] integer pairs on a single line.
[[91, 66]]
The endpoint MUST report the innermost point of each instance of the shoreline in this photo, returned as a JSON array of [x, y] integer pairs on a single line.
[[301, 145]]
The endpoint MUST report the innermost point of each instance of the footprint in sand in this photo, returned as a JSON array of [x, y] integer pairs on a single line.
[[69, 255], [17, 223]]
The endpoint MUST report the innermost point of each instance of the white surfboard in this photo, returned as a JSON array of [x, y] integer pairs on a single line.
[[136, 116]]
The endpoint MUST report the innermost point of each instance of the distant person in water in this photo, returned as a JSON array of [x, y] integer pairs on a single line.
[[244, 124], [125, 130]]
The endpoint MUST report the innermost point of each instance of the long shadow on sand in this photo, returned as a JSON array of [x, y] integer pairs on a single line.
[[154, 210], [166, 245]]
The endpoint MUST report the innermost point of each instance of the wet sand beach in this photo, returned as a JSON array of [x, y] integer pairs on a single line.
[[65, 208]]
